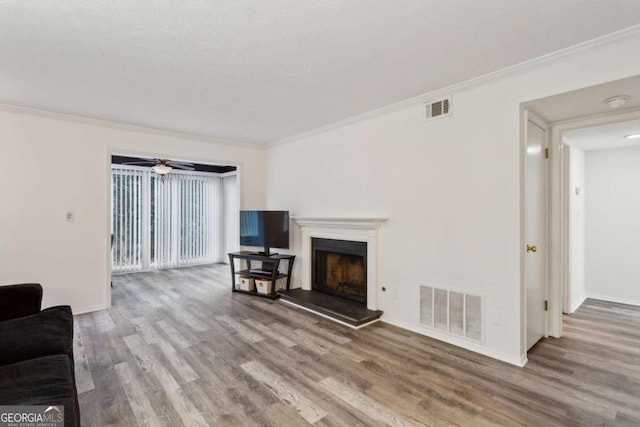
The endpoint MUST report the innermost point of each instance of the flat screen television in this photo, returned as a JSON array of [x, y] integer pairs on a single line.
[[267, 229]]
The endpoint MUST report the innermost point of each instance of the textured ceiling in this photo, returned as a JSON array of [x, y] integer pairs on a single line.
[[260, 71]]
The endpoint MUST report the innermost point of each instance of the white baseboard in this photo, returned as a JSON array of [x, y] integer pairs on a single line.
[[614, 299], [86, 310], [517, 360], [577, 304]]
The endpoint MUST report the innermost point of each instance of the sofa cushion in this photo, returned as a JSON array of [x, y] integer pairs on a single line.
[[44, 381], [20, 300], [42, 334]]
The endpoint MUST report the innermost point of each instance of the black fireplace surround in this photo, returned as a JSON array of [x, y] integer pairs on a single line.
[[339, 267]]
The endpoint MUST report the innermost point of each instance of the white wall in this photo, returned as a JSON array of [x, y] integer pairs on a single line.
[[613, 225], [52, 164], [450, 188], [577, 227]]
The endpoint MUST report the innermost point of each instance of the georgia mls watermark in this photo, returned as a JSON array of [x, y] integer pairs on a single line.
[[31, 416]]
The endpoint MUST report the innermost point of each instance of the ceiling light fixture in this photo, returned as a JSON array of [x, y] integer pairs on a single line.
[[161, 169], [634, 136], [617, 101]]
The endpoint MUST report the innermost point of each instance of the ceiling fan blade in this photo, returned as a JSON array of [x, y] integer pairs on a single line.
[[148, 162], [183, 167], [175, 162]]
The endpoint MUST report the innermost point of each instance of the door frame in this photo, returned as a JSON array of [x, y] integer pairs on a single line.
[[559, 286], [529, 116]]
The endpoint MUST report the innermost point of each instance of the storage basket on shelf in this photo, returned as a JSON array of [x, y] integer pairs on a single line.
[[263, 286], [245, 283]]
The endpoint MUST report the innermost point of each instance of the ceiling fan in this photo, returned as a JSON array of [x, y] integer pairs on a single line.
[[163, 166]]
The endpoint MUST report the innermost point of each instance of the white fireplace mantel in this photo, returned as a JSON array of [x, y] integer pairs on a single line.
[[344, 223], [342, 228]]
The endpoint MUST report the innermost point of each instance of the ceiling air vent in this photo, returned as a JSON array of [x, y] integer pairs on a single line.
[[439, 108]]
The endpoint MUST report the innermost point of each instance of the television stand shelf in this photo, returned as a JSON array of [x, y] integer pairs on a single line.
[[269, 269]]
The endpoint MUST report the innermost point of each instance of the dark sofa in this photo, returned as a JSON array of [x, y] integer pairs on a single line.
[[36, 352]]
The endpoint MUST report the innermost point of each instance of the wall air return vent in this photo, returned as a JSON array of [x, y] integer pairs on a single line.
[[439, 108], [456, 313]]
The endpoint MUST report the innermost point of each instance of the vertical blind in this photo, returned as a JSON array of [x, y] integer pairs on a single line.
[[126, 220], [179, 219]]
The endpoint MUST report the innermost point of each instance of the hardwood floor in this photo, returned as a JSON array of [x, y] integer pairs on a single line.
[[178, 348]]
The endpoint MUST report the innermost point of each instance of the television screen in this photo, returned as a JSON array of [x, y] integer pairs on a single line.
[[269, 229]]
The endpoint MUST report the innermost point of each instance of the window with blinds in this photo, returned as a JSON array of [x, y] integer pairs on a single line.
[[180, 219]]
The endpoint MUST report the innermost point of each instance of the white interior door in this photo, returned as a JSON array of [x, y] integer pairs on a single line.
[[535, 233]]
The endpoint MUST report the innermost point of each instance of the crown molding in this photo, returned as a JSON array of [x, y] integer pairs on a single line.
[[11, 108], [608, 39]]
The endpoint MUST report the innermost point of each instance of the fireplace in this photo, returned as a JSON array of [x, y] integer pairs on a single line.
[[339, 267], [359, 230]]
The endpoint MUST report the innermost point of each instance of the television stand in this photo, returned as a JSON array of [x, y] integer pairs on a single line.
[[266, 253], [269, 271]]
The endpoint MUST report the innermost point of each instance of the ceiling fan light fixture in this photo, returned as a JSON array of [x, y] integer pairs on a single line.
[[161, 169], [617, 101]]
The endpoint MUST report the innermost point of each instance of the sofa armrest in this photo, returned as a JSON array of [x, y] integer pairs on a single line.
[[20, 300]]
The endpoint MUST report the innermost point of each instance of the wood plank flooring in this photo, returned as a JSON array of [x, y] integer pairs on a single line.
[[177, 348]]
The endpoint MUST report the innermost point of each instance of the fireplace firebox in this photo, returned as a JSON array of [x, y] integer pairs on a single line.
[[339, 267]]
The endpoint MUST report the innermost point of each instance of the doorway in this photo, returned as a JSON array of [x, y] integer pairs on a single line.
[[604, 204], [579, 109], [168, 214]]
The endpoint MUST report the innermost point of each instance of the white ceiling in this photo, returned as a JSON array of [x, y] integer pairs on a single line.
[[605, 137], [587, 101], [260, 71]]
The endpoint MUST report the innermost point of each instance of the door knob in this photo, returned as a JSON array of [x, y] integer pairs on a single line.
[[532, 248]]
